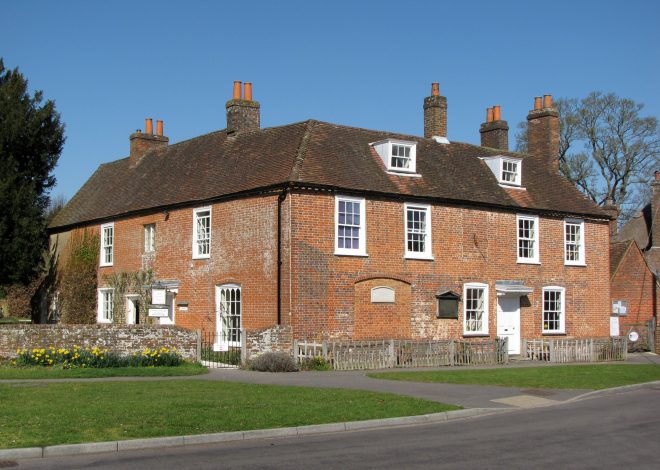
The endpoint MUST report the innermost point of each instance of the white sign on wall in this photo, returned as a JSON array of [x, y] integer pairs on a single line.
[[620, 307], [382, 295], [614, 326], [158, 296], [159, 312]]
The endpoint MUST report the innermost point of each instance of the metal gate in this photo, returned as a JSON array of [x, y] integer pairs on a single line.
[[221, 351]]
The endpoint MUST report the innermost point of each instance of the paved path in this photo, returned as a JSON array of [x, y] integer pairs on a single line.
[[467, 396]]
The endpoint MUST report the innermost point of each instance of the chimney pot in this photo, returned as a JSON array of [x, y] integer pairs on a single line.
[[497, 114], [489, 114], [159, 127], [148, 126], [243, 114], [547, 101], [237, 90], [435, 89], [537, 103]]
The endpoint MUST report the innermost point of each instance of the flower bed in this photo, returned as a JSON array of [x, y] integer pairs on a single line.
[[77, 356]]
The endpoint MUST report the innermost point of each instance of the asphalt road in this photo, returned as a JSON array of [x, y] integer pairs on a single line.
[[614, 431]]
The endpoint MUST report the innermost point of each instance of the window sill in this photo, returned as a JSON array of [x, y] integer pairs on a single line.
[[511, 186], [103, 322], [404, 173], [105, 265], [524, 261], [575, 264], [202, 257], [419, 257], [476, 335], [358, 254], [553, 333]]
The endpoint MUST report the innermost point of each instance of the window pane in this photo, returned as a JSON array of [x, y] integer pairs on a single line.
[[348, 224], [416, 230]]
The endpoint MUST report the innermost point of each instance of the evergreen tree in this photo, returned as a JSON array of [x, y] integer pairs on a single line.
[[31, 140]]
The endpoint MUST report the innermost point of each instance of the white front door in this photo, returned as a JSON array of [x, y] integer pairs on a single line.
[[508, 320]]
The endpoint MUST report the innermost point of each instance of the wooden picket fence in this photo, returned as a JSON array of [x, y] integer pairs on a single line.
[[385, 354], [576, 350]]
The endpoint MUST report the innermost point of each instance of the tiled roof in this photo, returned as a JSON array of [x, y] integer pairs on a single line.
[[617, 252], [317, 154], [638, 228]]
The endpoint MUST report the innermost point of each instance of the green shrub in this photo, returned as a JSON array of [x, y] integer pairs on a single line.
[[315, 363], [273, 362]]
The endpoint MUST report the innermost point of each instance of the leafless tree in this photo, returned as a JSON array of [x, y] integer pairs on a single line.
[[607, 149]]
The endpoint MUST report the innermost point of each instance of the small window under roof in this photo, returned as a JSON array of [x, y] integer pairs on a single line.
[[507, 170], [399, 156]]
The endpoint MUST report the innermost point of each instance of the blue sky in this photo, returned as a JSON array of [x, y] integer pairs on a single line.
[[108, 65]]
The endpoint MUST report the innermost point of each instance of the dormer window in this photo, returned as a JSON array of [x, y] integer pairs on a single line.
[[507, 170], [399, 156]]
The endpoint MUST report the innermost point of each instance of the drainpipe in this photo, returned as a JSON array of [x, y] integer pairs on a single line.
[[280, 200]]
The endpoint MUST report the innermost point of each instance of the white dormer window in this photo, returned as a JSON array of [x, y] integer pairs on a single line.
[[399, 156], [507, 170]]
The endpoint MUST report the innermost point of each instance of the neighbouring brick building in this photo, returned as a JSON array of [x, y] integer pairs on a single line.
[[637, 254], [320, 230]]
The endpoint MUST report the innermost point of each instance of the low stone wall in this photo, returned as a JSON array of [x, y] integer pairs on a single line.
[[277, 338], [124, 339]]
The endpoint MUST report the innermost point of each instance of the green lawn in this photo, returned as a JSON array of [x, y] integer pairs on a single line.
[[592, 377], [47, 413], [41, 372]]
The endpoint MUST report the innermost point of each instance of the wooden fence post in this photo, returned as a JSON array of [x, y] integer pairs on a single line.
[[391, 360], [324, 349], [296, 352], [452, 350]]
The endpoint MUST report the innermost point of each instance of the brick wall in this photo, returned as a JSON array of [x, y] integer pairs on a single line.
[[469, 245], [124, 339], [243, 252], [634, 282]]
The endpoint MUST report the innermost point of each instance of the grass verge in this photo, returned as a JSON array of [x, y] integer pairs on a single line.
[[40, 372], [593, 377], [39, 414]]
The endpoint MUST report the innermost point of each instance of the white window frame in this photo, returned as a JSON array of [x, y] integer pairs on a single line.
[[518, 163], [362, 234], [149, 238], [428, 239], [223, 342], [496, 165], [520, 218], [102, 307], [110, 248], [562, 311], [384, 149], [581, 248], [195, 242], [484, 316]]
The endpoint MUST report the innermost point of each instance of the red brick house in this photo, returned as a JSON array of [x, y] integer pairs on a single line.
[[637, 253], [317, 230]]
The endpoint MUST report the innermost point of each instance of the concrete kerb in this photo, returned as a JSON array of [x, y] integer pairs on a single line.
[[613, 391], [300, 431]]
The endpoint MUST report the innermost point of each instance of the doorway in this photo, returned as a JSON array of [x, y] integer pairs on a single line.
[[508, 320]]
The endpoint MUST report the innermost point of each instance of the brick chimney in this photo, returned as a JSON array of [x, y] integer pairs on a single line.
[[243, 114], [495, 132], [655, 211], [435, 114], [142, 142], [543, 130]]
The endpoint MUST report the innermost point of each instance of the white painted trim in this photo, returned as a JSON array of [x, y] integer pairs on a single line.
[[562, 317], [484, 319], [218, 344], [582, 261], [195, 253], [99, 304], [427, 254], [362, 238], [171, 301], [537, 245], [102, 261], [148, 239]]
